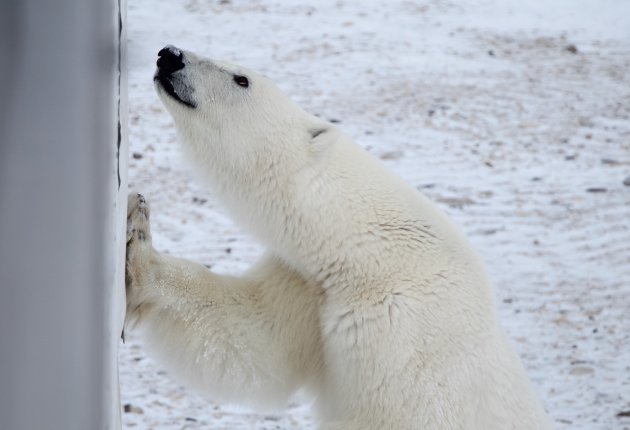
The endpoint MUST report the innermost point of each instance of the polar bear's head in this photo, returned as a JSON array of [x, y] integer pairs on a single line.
[[261, 153], [230, 119]]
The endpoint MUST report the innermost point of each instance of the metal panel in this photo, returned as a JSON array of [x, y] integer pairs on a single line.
[[62, 214]]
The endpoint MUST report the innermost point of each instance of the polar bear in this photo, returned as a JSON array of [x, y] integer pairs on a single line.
[[368, 296]]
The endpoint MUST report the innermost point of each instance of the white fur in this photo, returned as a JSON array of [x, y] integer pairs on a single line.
[[368, 295]]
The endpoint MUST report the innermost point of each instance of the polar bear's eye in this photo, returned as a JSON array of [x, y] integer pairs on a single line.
[[241, 80]]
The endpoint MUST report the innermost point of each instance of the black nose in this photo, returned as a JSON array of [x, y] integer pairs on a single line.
[[169, 60]]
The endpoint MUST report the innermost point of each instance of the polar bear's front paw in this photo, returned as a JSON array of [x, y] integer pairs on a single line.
[[139, 266], [139, 248], [138, 228]]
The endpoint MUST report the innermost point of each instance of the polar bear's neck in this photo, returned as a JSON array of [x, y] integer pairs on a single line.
[[339, 210]]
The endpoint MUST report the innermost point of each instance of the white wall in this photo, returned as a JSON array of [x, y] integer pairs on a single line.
[[62, 214]]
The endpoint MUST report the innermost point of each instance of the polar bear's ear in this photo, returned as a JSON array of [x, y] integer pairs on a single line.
[[321, 138], [315, 132]]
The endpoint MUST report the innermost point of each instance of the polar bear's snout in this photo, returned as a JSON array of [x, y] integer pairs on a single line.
[[171, 78], [169, 60]]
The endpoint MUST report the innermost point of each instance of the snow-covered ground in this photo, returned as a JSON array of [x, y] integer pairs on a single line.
[[513, 115]]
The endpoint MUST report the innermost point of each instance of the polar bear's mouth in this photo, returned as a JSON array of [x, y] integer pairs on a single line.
[[169, 87]]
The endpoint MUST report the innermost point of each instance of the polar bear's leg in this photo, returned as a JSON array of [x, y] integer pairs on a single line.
[[253, 339]]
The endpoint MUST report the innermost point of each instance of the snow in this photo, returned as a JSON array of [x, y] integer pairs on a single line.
[[514, 116]]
